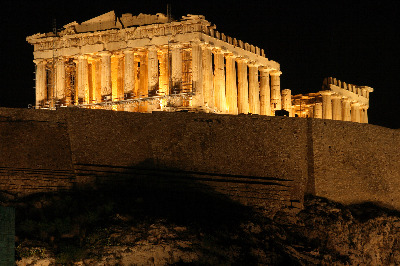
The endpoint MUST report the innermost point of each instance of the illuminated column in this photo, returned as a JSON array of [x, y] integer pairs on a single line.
[[60, 79], [197, 73], [152, 69], [106, 89], [143, 83], [355, 112], [96, 80], [176, 65], [265, 93], [363, 114], [208, 82], [164, 76], [41, 90], [287, 101], [326, 104], [317, 110], [276, 103], [231, 88], [83, 80], [346, 115], [129, 73], [336, 107], [117, 76], [243, 87], [219, 81], [254, 90]]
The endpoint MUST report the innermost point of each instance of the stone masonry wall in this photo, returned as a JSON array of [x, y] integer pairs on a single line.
[[356, 162], [267, 162], [35, 154], [260, 161]]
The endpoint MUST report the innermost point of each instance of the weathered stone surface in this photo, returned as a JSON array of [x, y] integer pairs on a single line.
[[339, 160], [356, 162]]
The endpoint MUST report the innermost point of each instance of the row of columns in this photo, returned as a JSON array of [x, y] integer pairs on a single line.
[[235, 85], [337, 107], [220, 80]]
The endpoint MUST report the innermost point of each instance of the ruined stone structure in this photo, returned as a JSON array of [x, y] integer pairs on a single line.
[[337, 101], [146, 62]]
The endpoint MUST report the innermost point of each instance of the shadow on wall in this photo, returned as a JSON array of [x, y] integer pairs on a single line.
[[113, 201], [369, 210]]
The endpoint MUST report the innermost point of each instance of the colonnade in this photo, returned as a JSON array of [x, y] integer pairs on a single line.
[[219, 80], [337, 107]]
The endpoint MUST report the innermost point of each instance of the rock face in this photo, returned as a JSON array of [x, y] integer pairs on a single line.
[[324, 233], [362, 234]]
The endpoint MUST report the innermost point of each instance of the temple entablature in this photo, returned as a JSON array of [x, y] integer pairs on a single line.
[[108, 32], [356, 93]]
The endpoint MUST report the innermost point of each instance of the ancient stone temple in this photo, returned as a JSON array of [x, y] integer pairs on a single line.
[[146, 63], [150, 63], [337, 101]]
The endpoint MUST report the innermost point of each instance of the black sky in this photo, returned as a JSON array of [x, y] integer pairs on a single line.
[[355, 41]]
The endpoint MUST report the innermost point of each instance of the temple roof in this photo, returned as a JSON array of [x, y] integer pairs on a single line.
[[110, 21]]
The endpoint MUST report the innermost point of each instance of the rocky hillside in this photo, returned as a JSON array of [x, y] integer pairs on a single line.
[[162, 226]]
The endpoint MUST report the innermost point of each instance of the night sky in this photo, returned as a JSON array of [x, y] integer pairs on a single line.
[[355, 41]]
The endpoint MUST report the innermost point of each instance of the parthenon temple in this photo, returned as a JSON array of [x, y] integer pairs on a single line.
[[150, 63]]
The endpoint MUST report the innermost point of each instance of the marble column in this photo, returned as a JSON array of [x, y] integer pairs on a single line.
[[219, 80], [346, 114], [41, 90], [231, 87], [363, 114], [176, 65], [143, 78], [243, 87], [106, 89], [197, 75], [164, 72], [152, 68], [96, 80], [276, 102], [117, 76], [326, 104], [254, 90], [129, 73], [83, 80], [208, 78], [287, 101], [60, 80], [142, 91], [366, 114], [336, 107], [265, 93], [317, 112], [355, 112]]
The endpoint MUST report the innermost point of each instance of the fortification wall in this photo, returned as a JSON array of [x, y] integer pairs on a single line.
[[35, 154], [267, 162], [355, 162], [257, 160]]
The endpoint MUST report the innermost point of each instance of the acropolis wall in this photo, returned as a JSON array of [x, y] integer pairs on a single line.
[[261, 161]]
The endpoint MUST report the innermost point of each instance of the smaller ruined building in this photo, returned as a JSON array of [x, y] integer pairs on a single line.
[[150, 63], [337, 101]]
